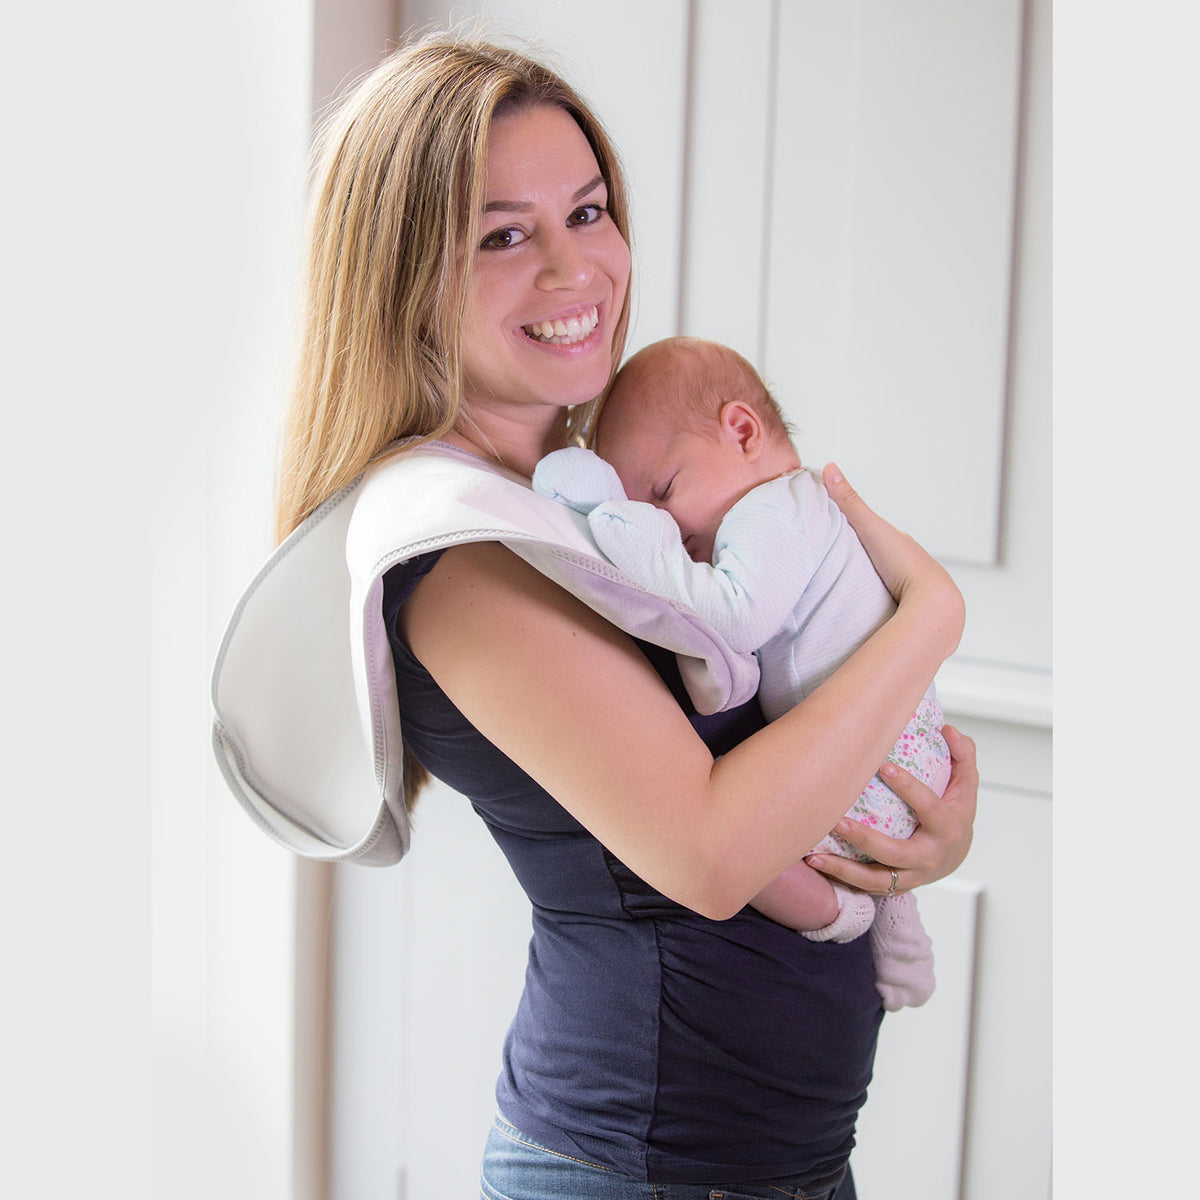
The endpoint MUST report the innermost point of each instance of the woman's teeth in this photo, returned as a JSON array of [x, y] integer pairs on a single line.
[[564, 333]]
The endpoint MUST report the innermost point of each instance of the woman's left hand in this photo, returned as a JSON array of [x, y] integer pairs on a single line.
[[937, 847]]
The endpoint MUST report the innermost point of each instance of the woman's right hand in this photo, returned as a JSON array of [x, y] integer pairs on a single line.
[[910, 573]]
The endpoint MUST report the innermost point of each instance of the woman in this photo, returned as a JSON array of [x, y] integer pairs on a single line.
[[469, 282]]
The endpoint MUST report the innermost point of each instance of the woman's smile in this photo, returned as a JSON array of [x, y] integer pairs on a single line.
[[567, 330]]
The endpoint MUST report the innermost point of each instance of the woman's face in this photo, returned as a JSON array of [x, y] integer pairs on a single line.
[[549, 280]]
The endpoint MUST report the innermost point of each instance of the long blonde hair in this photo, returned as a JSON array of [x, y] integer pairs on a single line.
[[400, 169]]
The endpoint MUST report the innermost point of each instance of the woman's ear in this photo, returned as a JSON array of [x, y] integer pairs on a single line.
[[740, 425]]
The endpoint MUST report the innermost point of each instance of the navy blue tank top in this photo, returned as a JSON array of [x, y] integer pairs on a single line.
[[651, 1040]]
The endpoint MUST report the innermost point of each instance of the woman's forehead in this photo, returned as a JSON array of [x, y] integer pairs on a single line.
[[537, 146]]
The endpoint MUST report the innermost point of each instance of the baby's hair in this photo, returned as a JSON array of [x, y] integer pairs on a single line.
[[698, 378]]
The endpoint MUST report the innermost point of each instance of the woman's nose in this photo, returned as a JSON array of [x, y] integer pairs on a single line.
[[565, 263]]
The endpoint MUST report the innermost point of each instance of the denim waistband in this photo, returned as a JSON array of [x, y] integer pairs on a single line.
[[516, 1167]]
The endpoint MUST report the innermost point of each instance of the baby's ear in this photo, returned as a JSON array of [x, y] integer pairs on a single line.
[[740, 424]]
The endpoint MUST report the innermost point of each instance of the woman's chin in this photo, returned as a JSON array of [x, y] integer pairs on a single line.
[[569, 383]]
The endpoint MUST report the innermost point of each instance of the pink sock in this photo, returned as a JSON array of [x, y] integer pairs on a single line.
[[903, 953], [856, 911]]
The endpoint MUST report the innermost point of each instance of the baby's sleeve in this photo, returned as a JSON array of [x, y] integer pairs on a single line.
[[766, 552], [749, 592]]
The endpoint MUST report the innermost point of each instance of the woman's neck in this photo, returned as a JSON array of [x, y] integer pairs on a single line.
[[518, 445]]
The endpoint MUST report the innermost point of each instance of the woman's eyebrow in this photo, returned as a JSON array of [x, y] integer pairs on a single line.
[[590, 186], [524, 206]]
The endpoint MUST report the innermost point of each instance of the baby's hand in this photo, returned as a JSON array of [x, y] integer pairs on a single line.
[[577, 478]]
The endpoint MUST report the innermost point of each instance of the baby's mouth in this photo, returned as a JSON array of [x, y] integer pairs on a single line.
[[564, 332]]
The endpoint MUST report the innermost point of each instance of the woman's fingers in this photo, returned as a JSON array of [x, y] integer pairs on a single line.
[[867, 523], [915, 853], [895, 555], [962, 792], [871, 878], [835, 484], [901, 563], [935, 849]]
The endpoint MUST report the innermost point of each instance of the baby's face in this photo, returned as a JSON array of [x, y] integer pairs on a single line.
[[696, 477]]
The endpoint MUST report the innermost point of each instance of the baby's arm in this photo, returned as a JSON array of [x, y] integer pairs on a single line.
[[762, 562]]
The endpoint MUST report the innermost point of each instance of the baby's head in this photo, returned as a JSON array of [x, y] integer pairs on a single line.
[[690, 427]]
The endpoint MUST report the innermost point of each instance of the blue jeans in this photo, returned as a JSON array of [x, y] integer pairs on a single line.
[[517, 1168]]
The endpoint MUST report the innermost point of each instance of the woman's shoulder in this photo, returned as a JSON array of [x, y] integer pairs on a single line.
[[400, 580]]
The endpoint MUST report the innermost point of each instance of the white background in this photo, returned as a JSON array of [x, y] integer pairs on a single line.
[[140, 202]]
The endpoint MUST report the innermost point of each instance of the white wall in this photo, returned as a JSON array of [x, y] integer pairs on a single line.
[[153, 169], [226, 226], [74, 604], [153, 162]]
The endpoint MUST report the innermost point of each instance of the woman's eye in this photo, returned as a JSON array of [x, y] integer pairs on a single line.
[[502, 239], [588, 214]]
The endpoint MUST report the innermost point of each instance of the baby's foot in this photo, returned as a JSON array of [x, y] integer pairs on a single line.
[[856, 911], [903, 953]]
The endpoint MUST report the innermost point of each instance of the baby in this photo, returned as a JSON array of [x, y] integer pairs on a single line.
[[700, 496]]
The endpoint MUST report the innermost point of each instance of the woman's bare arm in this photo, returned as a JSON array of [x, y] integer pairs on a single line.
[[571, 700], [943, 838]]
